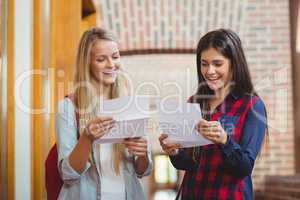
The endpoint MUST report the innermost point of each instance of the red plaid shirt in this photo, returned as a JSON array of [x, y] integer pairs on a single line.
[[224, 171]]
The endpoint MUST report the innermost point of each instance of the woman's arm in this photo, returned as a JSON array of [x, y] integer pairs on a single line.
[[95, 129], [141, 151], [80, 154], [73, 153], [66, 139], [141, 164], [183, 160], [239, 158], [180, 158]]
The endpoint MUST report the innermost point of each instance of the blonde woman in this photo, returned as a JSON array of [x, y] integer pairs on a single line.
[[90, 171]]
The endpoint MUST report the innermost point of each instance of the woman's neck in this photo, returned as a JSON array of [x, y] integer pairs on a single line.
[[103, 91], [219, 97]]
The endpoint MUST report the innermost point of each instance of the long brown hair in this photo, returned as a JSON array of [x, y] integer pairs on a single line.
[[227, 43]]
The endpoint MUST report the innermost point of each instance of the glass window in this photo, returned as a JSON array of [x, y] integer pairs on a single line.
[[164, 172], [165, 178], [164, 194]]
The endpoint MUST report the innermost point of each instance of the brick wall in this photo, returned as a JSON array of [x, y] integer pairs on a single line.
[[263, 26], [266, 39], [280, 188]]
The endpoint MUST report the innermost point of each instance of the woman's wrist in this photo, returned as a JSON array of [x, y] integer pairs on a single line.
[[86, 136], [140, 160], [140, 164], [224, 138], [144, 157]]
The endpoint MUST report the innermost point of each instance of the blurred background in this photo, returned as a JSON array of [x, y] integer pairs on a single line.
[[38, 41]]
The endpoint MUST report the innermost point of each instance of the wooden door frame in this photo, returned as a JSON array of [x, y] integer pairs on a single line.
[[294, 21]]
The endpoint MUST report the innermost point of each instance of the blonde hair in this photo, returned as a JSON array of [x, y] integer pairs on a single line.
[[85, 92]]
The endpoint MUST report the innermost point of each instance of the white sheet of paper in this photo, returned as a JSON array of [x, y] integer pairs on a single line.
[[178, 121], [131, 114]]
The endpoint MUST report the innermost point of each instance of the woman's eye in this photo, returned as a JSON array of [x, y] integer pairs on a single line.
[[115, 57], [218, 64], [204, 64], [100, 60]]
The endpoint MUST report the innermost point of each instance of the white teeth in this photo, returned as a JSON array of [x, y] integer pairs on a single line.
[[212, 79], [109, 72]]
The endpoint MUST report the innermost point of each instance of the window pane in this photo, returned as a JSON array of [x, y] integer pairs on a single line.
[[161, 169], [172, 173], [164, 195]]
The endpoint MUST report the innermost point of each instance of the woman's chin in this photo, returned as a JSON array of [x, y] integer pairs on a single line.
[[109, 81], [214, 87]]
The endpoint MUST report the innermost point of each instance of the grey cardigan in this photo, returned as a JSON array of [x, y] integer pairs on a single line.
[[87, 184]]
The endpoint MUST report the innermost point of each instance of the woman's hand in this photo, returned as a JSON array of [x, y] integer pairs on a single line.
[[170, 149], [136, 146], [98, 127], [212, 130], [95, 129]]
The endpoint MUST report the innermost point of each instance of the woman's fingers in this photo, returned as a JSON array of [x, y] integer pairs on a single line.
[[137, 149], [168, 148], [212, 130], [206, 124], [209, 126], [102, 119], [171, 151], [99, 126], [211, 133], [135, 142], [138, 153], [162, 137], [136, 146], [103, 131], [171, 146], [162, 142]]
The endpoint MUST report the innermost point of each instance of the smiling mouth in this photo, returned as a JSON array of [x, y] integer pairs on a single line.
[[213, 79], [113, 72]]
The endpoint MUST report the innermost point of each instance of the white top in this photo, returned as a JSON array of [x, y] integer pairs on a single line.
[[112, 185]]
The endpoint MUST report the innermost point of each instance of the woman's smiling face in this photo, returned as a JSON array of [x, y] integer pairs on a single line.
[[216, 70], [105, 61]]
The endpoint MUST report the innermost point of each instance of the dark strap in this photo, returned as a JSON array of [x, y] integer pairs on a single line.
[[179, 194], [179, 191], [77, 123]]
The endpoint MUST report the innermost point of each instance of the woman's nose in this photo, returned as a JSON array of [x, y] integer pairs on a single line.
[[211, 69], [110, 63]]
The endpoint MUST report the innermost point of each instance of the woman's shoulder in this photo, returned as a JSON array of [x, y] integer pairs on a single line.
[[255, 101], [65, 105]]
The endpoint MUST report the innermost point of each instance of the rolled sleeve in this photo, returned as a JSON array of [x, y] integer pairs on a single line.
[[66, 138], [183, 160], [230, 146], [69, 175]]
